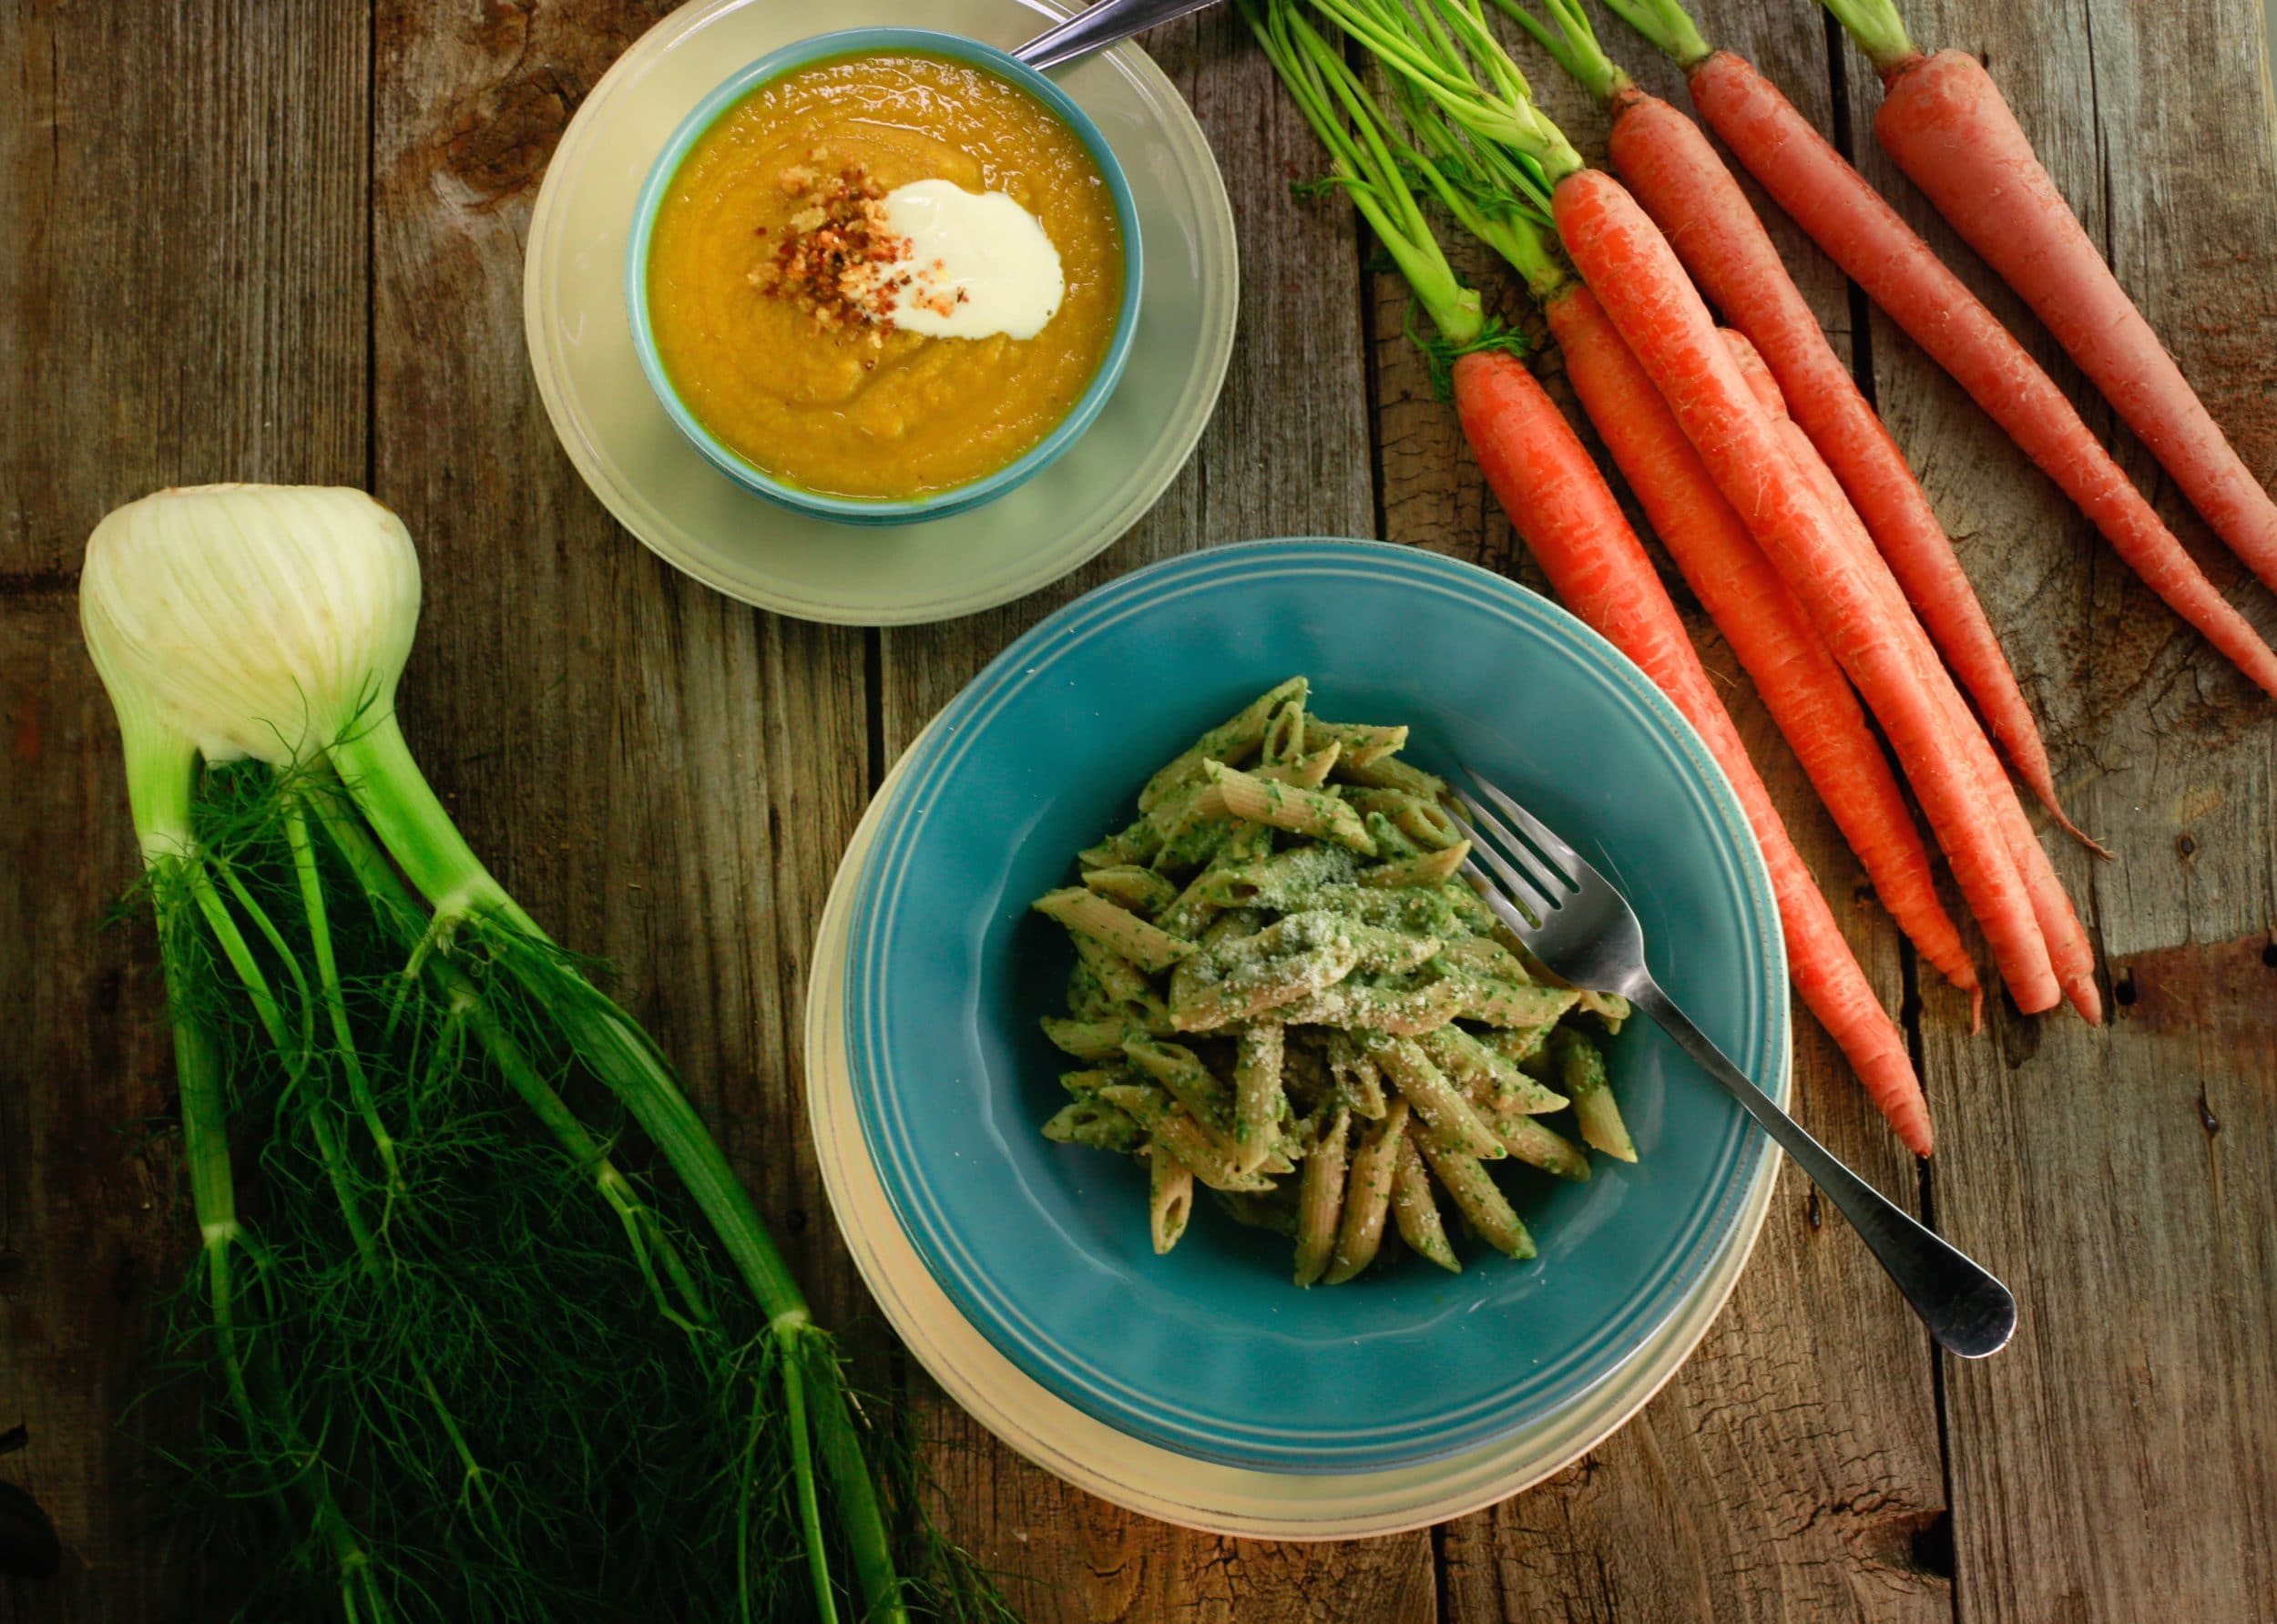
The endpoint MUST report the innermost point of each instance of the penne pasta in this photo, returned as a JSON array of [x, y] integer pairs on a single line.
[[1420, 818], [1581, 1069], [1236, 739], [1367, 1196], [1096, 1040], [1357, 1072], [1241, 848], [1240, 978], [1307, 773], [1321, 1200], [1316, 814], [1284, 733], [1426, 868], [1131, 885], [1482, 955], [1095, 1123], [1285, 966], [1386, 773], [1363, 745], [1414, 1209], [1609, 1008], [1398, 1010], [1287, 881], [1186, 1080], [1493, 1002], [1169, 1198], [1391, 841], [1122, 981], [1465, 1178], [1258, 1098], [1491, 1083], [1114, 928], [1515, 1043], [1437, 1101], [1171, 1127], [1410, 909], [1537, 1144]]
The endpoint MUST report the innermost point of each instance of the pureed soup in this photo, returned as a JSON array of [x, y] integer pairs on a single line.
[[884, 275]]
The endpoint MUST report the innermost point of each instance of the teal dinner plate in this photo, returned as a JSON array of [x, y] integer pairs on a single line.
[[1211, 1351]]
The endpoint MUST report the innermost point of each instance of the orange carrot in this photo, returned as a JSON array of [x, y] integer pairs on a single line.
[[1569, 520], [1667, 163], [1864, 235], [1946, 124], [1635, 275], [1800, 685], [2069, 952]]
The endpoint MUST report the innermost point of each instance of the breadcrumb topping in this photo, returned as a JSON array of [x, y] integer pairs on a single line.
[[838, 258]]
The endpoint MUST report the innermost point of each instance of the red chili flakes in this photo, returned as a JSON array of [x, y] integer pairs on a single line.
[[832, 259]]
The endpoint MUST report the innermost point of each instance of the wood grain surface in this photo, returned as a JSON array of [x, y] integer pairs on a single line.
[[284, 242]]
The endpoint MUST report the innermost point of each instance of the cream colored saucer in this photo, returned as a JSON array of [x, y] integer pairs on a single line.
[[661, 490]]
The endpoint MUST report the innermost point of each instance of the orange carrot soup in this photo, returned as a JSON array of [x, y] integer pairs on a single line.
[[884, 275]]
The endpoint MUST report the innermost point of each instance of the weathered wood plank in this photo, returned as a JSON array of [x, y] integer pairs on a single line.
[[1286, 453], [184, 192], [181, 191], [2115, 1462], [94, 1226], [662, 776], [182, 195], [1788, 1469]]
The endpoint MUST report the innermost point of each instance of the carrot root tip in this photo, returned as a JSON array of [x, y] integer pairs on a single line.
[[2082, 836]]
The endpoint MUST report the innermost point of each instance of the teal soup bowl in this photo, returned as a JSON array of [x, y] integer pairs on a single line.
[[1211, 1350], [823, 48]]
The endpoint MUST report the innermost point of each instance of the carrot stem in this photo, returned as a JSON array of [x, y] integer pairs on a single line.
[[1876, 26], [1572, 44], [1372, 167], [1666, 26]]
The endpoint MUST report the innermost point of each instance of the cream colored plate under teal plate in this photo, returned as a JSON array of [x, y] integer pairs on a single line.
[[1141, 1478], [647, 475]]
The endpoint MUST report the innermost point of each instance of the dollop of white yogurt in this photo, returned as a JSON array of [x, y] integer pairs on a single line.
[[977, 263]]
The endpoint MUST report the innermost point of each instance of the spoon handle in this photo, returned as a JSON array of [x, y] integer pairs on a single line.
[[1099, 25]]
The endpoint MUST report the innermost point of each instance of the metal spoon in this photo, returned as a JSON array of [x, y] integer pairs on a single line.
[[1098, 26]]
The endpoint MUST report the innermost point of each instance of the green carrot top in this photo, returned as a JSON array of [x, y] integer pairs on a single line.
[[1666, 26], [1876, 26], [1572, 44], [1443, 50], [1371, 164]]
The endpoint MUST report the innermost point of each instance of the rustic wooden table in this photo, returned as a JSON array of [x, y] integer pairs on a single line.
[[284, 243]]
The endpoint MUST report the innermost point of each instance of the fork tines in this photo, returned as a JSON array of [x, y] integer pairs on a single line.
[[1532, 870]]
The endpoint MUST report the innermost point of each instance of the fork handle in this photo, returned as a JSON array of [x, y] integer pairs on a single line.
[[1966, 1310]]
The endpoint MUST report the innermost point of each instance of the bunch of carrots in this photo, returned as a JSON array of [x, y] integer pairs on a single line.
[[1780, 496]]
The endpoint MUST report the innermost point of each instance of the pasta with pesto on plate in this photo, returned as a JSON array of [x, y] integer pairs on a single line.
[[1286, 991]]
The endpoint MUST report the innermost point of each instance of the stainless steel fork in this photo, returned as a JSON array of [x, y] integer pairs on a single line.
[[1576, 922]]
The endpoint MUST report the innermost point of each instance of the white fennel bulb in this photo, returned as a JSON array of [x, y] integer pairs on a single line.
[[249, 619]]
